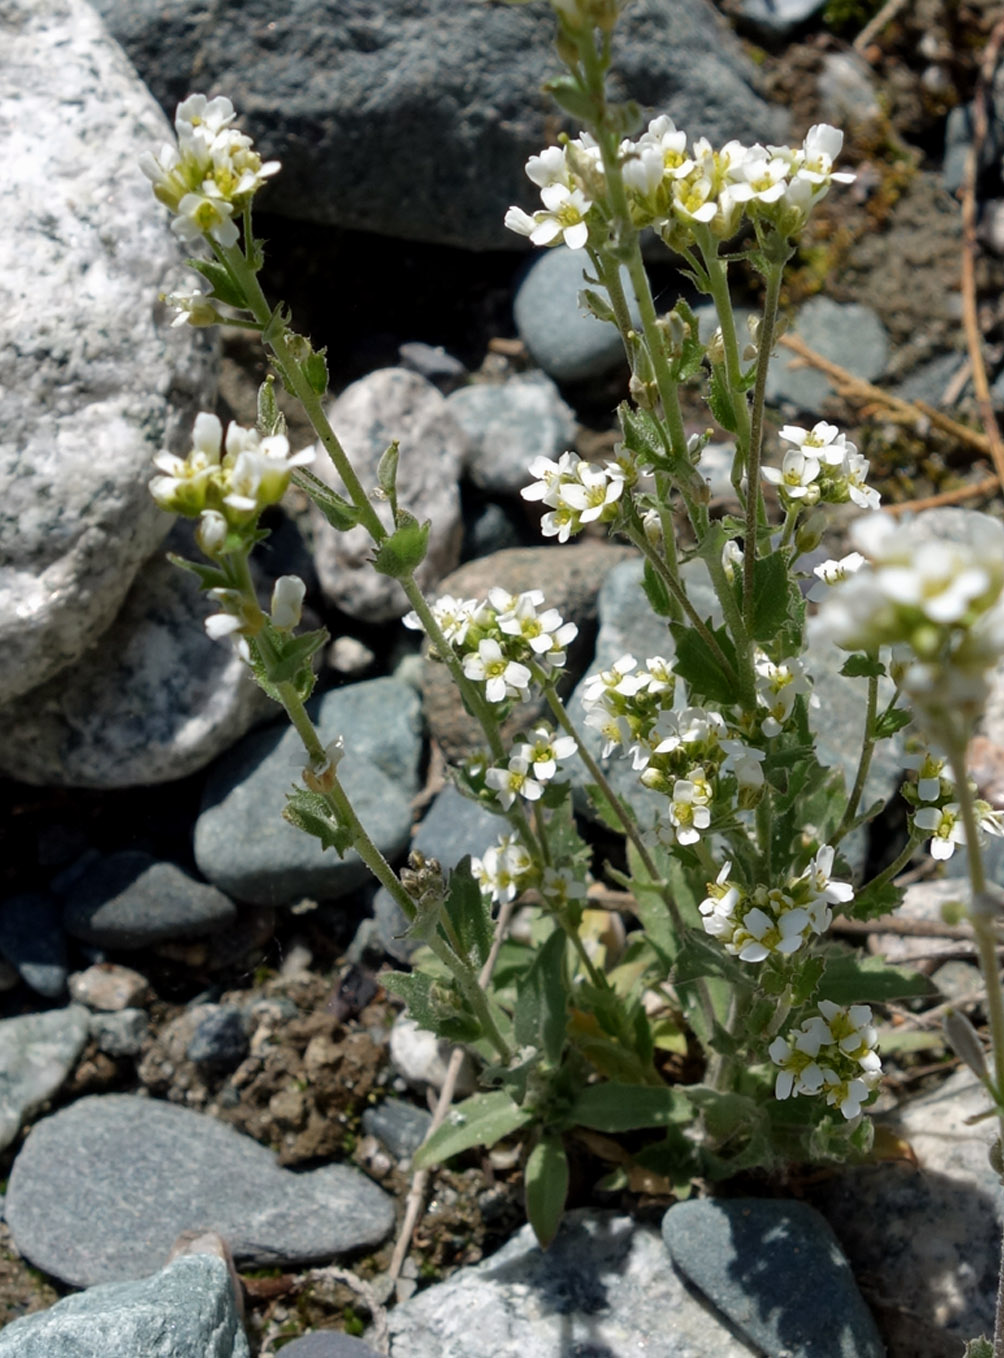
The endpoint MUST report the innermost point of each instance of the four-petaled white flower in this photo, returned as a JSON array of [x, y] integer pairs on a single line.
[[503, 678]]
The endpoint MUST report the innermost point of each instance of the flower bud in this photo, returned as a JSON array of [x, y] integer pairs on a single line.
[[287, 602], [810, 531], [211, 533]]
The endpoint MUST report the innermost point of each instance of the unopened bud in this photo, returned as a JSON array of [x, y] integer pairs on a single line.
[[810, 531], [716, 348], [287, 602], [211, 533]]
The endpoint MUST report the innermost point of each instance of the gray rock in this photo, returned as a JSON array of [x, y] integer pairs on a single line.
[[844, 332], [86, 361], [328, 1344], [422, 1059], [400, 1126], [37, 1053], [454, 825], [109, 987], [775, 18], [243, 845], [432, 362], [121, 1033], [926, 1235], [220, 1040], [775, 1269], [103, 1188], [186, 1310], [490, 527], [386, 405], [847, 91], [570, 344], [929, 380], [414, 118], [604, 1288], [152, 700], [508, 425], [31, 937], [129, 900]]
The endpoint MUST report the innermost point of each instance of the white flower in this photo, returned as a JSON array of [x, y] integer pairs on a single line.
[[778, 685], [563, 218], [796, 476], [832, 572], [545, 751], [514, 780], [688, 809], [503, 678], [505, 870], [201, 214]]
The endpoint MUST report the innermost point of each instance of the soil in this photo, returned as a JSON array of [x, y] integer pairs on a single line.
[[320, 1057]]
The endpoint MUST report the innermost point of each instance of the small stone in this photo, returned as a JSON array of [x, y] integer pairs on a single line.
[[32, 939], [432, 362], [844, 332], [129, 901], [242, 843], [328, 1344], [108, 986], [846, 89], [568, 343], [105, 1186], [37, 1053], [220, 1040], [350, 657], [490, 527], [510, 424], [603, 1288], [400, 1126], [121, 1033], [775, 1270], [775, 18], [421, 1058], [391, 404], [186, 1309]]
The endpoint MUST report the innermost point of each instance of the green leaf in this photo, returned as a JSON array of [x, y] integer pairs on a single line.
[[270, 419], [698, 665], [315, 369], [720, 398], [546, 1184], [339, 513], [617, 1107], [541, 1014], [642, 436], [469, 912], [862, 667], [597, 306], [387, 473], [979, 1348], [692, 351], [223, 286], [856, 979], [889, 722], [771, 588], [656, 591], [294, 652], [805, 983], [875, 899], [400, 554], [568, 94], [435, 1004], [209, 577], [480, 1120], [309, 812]]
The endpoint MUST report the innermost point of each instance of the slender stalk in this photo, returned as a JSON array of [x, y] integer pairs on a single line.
[[755, 512], [717, 275], [864, 763]]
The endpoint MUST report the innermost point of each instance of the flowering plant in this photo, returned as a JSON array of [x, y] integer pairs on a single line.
[[734, 878]]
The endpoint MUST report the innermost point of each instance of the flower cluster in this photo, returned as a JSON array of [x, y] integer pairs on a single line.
[[937, 811], [212, 173], [532, 763], [754, 924], [778, 684], [821, 467], [499, 638], [505, 871], [937, 597], [576, 493], [831, 1054], [225, 483], [674, 186]]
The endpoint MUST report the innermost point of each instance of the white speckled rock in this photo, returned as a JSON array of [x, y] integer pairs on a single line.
[[389, 404], [92, 381]]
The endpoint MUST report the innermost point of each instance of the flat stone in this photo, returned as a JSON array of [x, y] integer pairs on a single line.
[[328, 1344], [603, 1288], [508, 424], [847, 333], [336, 88], [186, 1309], [570, 577], [101, 1190], [775, 1269], [243, 845], [400, 1126], [37, 1053], [220, 1040], [120, 1033], [108, 987], [32, 939], [153, 699], [567, 342], [86, 359], [925, 1229], [129, 901], [387, 405]]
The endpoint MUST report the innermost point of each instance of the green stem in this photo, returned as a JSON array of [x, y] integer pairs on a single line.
[[717, 275], [473, 994], [864, 763], [755, 512], [981, 916]]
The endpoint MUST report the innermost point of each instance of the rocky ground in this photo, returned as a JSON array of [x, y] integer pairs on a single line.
[[274, 1021]]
